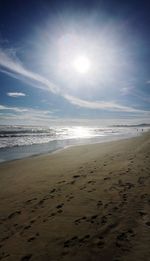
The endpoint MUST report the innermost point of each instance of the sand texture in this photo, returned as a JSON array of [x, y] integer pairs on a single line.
[[85, 203]]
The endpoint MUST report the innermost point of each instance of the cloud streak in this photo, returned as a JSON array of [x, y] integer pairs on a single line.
[[15, 94], [17, 115], [16, 109], [111, 106], [9, 64], [12, 66], [22, 109]]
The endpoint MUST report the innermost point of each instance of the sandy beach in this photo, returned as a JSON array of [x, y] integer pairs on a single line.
[[84, 203]]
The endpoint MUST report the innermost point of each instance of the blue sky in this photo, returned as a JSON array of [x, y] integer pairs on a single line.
[[40, 41]]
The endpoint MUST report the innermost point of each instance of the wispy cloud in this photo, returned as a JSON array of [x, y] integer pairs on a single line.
[[21, 115], [16, 109], [111, 106], [127, 90], [15, 94], [11, 65], [22, 109]]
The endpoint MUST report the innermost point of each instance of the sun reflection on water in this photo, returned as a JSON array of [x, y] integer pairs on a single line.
[[81, 132]]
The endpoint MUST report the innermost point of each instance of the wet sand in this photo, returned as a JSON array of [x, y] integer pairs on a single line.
[[85, 203]]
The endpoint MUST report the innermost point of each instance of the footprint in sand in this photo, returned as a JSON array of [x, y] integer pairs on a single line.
[[100, 243], [4, 255], [60, 182], [31, 239], [99, 203], [26, 257], [32, 221], [25, 228], [41, 202], [76, 241], [107, 178], [14, 214], [76, 176], [124, 196], [83, 187], [78, 221], [52, 214], [145, 217], [142, 214], [64, 253], [104, 220], [30, 201], [141, 180], [124, 238], [52, 191], [91, 182], [69, 198], [72, 182], [60, 206], [144, 196], [91, 171], [125, 186], [93, 219], [89, 191], [4, 238], [147, 223]]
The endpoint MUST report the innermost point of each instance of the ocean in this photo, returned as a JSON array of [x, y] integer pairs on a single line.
[[18, 142]]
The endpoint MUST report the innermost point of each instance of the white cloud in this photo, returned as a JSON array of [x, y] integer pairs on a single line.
[[16, 109], [19, 115], [127, 90], [10, 65], [26, 110], [15, 94], [111, 106]]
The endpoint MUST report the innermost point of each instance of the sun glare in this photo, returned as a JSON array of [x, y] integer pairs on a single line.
[[81, 132], [81, 64]]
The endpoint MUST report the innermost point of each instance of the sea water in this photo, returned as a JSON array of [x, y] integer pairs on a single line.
[[18, 142]]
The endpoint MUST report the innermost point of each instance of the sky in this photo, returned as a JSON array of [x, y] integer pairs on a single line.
[[74, 62]]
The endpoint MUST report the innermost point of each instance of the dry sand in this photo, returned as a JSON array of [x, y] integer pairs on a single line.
[[85, 203]]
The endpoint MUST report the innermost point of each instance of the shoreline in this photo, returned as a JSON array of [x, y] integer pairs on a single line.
[[56, 150], [87, 202]]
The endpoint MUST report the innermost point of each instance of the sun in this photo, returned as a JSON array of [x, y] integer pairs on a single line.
[[81, 64]]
